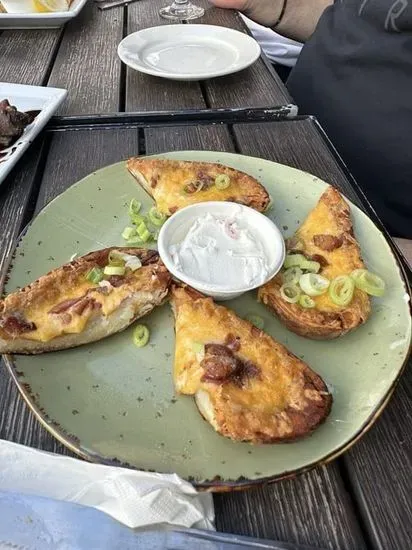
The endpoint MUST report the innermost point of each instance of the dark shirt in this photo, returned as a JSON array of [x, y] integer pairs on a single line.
[[355, 75]]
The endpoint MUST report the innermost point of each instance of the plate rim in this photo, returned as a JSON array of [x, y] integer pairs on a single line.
[[216, 485], [189, 76]]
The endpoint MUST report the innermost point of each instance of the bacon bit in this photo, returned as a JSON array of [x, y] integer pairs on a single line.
[[116, 280], [206, 179], [222, 366], [327, 242], [64, 306], [172, 209], [76, 305], [232, 342], [318, 258], [154, 180], [16, 325]]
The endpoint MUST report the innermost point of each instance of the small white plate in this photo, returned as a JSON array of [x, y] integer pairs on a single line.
[[188, 52], [25, 20], [27, 98]]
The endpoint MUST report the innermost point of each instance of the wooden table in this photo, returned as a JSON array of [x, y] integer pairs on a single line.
[[361, 500], [83, 59]]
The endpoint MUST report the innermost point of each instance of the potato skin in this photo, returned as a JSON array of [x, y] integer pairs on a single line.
[[312, 323], [326, 236]]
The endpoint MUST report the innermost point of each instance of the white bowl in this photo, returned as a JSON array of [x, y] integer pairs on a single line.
[[177, 226]]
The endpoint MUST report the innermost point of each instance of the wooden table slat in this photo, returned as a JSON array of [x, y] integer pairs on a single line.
[[87, 63], [75, 154], [252, 87], [380, 467], [179, 138], [26, 56]]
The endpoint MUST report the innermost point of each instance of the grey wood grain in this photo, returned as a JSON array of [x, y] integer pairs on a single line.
[[378, 466], [252, 87], [150, 93], [179, 138], [312, 509], [72, 155], [87, 63], [297, 144], [75, 154], [26, 56], [17, 196]]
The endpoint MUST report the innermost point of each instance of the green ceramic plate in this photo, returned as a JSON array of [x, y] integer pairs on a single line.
[[113, 403]]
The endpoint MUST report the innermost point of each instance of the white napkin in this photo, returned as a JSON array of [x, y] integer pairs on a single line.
[[137, 499]]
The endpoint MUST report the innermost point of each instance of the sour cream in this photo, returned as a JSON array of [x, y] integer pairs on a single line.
[[222, 252]]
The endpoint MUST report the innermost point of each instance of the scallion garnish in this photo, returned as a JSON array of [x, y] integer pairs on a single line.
[[141, 336], [306, 301], [222, 181], [341, 290], [156, 218], [114, 270], [292, 275], [294, 260], [368, 282], [313, 284], [134, 207], [95, 275], [290, 293]]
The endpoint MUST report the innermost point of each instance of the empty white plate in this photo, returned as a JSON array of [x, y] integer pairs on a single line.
[[188, 52]]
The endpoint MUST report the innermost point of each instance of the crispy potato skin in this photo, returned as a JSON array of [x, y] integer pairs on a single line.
[[280, 400], [165, 180], [326, 236], [62, 309]]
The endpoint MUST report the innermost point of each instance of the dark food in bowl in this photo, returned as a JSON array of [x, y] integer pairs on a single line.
[[12, 123]]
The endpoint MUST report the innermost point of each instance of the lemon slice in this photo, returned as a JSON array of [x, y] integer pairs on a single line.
[[47, 6]]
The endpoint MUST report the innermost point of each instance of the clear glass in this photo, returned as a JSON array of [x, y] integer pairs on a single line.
[[181, 10]]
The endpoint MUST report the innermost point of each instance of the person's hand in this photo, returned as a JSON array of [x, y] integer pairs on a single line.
[[265, 12]]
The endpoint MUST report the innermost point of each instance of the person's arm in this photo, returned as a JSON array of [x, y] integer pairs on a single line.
[[298, 22]]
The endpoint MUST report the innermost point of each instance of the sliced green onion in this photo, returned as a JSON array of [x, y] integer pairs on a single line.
[[156, 218], [222, 181], [134, 207], [137, 219], [128, 233], [306, 301], [294, 260], [256, 320], [141, 336], [290, 293], [95, 275], [143, 232], [311, 266], [341, 290], [114, 270], [116, 258], [368, 282], [313, 284], [292, 275]]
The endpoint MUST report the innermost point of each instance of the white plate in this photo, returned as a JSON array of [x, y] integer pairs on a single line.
[[188, 52], [25, 20], [27, 98]]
